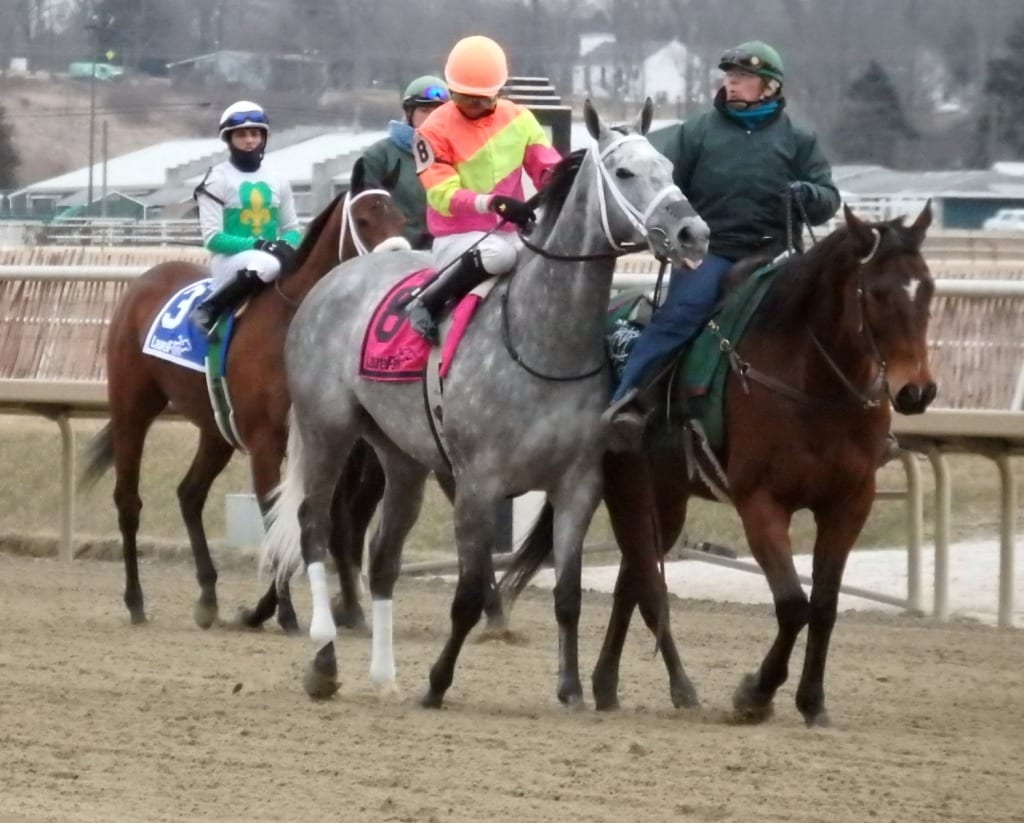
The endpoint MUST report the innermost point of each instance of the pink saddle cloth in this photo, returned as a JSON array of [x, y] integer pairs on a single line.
[[392, 351]]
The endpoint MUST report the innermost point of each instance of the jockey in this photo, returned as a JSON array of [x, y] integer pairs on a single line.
[[246, 214], [470, 155], [421, 97], [740, 165]]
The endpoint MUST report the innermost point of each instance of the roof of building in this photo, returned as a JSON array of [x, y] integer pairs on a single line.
[[141, 169]]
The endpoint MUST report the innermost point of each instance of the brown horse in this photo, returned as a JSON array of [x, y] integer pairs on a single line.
[[839, 337], [140, 387]]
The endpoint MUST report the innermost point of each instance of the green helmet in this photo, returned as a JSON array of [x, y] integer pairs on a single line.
[[425, 91], [754, 56]]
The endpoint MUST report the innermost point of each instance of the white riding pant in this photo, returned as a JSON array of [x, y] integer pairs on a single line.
[[498, 251], [224, 267]]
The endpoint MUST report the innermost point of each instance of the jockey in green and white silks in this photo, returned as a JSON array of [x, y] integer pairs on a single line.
[[246, 215]]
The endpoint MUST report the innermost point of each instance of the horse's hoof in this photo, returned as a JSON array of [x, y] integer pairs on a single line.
[[319, 685], [205, 615], [607, 703], [683, 698], [352, 619], [571, 695], [288, 625], [138, 618], [388, 692], [574, 703], [249, 619], [749, 705], [819, 719], [432, 699]]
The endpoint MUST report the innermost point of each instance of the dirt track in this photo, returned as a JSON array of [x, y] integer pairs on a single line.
[[100, 721]]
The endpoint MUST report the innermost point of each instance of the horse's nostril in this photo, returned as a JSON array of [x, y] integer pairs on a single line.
[[930, 391], [685, 235]]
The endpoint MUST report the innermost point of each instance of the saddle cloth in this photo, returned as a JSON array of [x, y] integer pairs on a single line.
[[703, 365], [392, 351], [174, 338]]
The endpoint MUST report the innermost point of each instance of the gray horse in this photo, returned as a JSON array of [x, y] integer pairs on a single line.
[[522, 400]]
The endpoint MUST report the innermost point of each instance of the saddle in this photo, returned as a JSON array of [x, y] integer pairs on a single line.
[[690, 389]]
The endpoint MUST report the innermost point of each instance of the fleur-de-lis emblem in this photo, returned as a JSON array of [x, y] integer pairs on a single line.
[[255, 198]]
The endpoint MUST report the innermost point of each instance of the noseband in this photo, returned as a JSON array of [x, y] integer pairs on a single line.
[[347, 222]]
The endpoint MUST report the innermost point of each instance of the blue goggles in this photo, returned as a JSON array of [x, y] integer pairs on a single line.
[[245, 118], [432, 94]]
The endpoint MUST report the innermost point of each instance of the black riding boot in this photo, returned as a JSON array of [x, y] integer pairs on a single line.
[[426, 306], [225, 299]]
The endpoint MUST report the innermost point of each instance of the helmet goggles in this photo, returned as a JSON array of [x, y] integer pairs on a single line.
[[238, 119], [744, 60], [431, 95]]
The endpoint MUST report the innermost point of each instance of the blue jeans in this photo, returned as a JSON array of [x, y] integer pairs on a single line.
[[691, 298]]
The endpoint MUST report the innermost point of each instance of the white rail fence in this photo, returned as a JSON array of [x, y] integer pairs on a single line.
[[65, 388]]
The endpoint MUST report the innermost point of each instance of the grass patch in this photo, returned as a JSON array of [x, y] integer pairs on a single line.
[[29, 500]]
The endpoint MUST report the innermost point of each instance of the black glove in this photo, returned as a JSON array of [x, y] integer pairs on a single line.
[[515, 211], [284, 253], [800, 191]]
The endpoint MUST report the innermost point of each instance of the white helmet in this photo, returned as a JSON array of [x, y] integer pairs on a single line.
[[243, 115]]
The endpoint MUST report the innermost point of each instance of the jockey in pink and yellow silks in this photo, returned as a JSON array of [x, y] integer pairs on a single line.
[[470, 154]]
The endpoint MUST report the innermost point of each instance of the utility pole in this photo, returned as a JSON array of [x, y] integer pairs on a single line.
[[93, 29]]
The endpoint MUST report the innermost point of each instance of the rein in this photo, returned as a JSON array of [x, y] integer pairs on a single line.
[[347, 224], [866, 399], [637, 218]]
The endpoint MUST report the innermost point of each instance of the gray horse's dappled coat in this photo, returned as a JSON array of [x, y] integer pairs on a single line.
[[506, 430]]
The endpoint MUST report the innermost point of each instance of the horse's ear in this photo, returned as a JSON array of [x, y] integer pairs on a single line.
[[592, 120], [859, 230], [357, 180], [390, 179], [643, 120], [921, 224]]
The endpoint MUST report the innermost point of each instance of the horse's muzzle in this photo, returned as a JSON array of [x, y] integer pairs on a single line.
[[690, 242], [914, 398]]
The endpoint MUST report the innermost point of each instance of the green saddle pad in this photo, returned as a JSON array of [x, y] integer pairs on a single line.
[[704, 365]]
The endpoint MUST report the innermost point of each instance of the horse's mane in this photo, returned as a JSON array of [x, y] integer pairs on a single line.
[[788, 301], [556, 188], [313, 231]]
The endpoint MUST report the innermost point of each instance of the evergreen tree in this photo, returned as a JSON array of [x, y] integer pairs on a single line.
[[872, 125], [1001, 132], [9, 160]]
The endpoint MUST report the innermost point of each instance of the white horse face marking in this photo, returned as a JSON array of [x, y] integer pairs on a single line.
[[912, 287]]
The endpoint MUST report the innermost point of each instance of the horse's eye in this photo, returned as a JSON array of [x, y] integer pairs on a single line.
[[624, 174], [880, 295]]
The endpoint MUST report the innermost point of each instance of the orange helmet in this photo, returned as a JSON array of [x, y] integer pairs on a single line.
[[476, 66]]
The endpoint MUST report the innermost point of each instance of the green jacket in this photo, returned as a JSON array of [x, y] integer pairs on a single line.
[[736, 178], [380, 160]]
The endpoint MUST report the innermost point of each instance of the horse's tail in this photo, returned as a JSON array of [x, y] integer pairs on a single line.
[[282, 548], [529, 557], [99, 457]]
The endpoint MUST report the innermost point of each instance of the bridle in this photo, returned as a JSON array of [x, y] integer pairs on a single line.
[[347, 221], [869, 398], [347, 224], [637, 218]]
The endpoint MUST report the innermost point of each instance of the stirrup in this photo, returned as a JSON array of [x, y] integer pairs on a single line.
[[422, 321], [626, 423], [203, 318]]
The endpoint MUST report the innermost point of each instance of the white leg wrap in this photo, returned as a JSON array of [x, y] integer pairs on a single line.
[[382, 660], [321, 628]]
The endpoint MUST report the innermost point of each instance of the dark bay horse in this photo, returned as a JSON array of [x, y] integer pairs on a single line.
[[839, 340], [521, 409], [140, 387]]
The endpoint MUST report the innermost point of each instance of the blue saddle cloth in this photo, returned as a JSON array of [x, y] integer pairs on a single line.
[[175, 338]]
